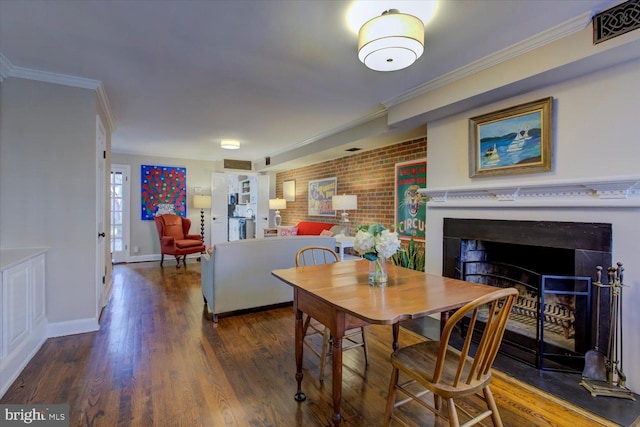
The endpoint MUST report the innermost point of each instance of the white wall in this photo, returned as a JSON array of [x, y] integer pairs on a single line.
[[595, 128], [143, 233], [47, 188]]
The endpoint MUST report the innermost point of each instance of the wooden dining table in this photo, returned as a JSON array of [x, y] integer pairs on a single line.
[[340, 297]]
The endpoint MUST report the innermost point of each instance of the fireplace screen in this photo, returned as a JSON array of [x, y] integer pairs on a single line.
[[550, 323]]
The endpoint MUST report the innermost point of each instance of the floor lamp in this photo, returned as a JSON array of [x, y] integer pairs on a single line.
[[344, 203], [202, 202]]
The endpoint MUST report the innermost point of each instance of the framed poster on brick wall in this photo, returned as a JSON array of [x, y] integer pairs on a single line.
[[320, 193], [410, 207]]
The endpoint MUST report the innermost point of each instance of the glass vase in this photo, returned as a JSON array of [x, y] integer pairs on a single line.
[[378, 272]]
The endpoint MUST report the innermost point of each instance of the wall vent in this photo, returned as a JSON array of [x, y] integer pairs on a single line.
[[616, 21], [244, 165]]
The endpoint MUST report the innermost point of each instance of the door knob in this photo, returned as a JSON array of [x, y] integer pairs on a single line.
[[101, 234]]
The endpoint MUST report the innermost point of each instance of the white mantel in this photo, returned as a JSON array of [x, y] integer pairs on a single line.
[[597, 192]]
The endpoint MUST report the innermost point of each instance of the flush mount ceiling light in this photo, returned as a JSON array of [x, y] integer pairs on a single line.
[[230, 144], [391, 41]]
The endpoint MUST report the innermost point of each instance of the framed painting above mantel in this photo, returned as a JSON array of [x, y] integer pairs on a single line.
[[511, 141]]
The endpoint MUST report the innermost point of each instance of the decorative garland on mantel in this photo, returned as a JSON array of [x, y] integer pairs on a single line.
[[599, 192]]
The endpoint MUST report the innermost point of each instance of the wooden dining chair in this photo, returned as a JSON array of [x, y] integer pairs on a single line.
[[355, 338], [448, 373]]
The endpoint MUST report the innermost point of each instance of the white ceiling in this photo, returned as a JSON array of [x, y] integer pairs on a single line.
[[180, 75]]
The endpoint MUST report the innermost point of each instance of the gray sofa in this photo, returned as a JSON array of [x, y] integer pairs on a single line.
[[237, 276]]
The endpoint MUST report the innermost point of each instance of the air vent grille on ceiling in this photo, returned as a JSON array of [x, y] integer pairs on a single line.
[[616, 21], [353, 149], [237, 164]]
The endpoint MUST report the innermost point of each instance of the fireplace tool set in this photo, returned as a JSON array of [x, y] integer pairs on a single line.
[[603, 374]]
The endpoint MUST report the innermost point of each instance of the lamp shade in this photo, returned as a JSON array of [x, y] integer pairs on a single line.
[[345, 202], [391, 41], [230, 144], [201, 202], [277, 204]]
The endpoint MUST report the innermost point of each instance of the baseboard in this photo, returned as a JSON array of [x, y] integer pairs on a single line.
[[72, 327], [156, 257], [144, 258], [250, 310]]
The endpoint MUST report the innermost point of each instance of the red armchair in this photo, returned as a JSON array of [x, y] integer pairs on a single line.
[[173, 231]]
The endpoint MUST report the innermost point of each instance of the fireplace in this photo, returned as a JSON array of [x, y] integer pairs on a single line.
[[551, 263]]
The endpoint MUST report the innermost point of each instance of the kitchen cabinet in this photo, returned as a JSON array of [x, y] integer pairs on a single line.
[[247, 192]]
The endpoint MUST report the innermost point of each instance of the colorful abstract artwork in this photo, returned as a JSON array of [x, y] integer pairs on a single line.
[[162, 186]]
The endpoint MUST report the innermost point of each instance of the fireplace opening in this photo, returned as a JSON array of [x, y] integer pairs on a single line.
[[550, 321], [551, 265]]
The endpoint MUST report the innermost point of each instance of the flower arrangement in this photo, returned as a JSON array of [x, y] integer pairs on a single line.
[[376, 244], [374, 241]]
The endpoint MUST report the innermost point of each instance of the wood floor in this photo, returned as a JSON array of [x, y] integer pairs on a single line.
[[158, 360]]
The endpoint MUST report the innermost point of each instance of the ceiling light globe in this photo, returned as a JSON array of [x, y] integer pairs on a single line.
[[230, 144], [391, 42]]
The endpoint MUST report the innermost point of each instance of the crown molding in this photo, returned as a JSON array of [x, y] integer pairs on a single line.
[[7, 69], [599, 192], [534, 42], [103, 101], [48, 77]]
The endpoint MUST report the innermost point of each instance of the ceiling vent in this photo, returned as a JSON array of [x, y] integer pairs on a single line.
[[244, 165], [353, 149], [616, 21]]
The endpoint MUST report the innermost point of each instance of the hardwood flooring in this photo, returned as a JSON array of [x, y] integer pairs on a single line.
[[159, 361]]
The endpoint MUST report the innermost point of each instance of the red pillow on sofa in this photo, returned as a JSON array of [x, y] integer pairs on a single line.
[[309, 228]]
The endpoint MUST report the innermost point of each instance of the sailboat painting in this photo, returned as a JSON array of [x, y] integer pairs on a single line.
[[511, 142]]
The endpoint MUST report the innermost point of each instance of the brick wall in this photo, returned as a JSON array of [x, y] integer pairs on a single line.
[[369, 175]]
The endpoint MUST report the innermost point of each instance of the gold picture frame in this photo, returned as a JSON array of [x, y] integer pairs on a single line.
[[515, 140]]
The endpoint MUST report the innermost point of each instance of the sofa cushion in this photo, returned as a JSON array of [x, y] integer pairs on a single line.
[[182, 244], [309, 228], [288, 231], [173, 226]]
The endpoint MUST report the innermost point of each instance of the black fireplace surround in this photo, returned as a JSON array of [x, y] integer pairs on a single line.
[[546, 247]]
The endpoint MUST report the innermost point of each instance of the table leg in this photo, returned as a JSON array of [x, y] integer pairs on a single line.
[[337, 376], [396, 334], [444, 316], [299, 396]]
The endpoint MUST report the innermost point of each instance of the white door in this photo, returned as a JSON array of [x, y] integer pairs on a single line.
[[102, 281], [119, 206], [262, 205], [219, 212]]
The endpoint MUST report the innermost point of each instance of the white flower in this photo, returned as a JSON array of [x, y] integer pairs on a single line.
[[376, 241], [387, 244], [363, 242]]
